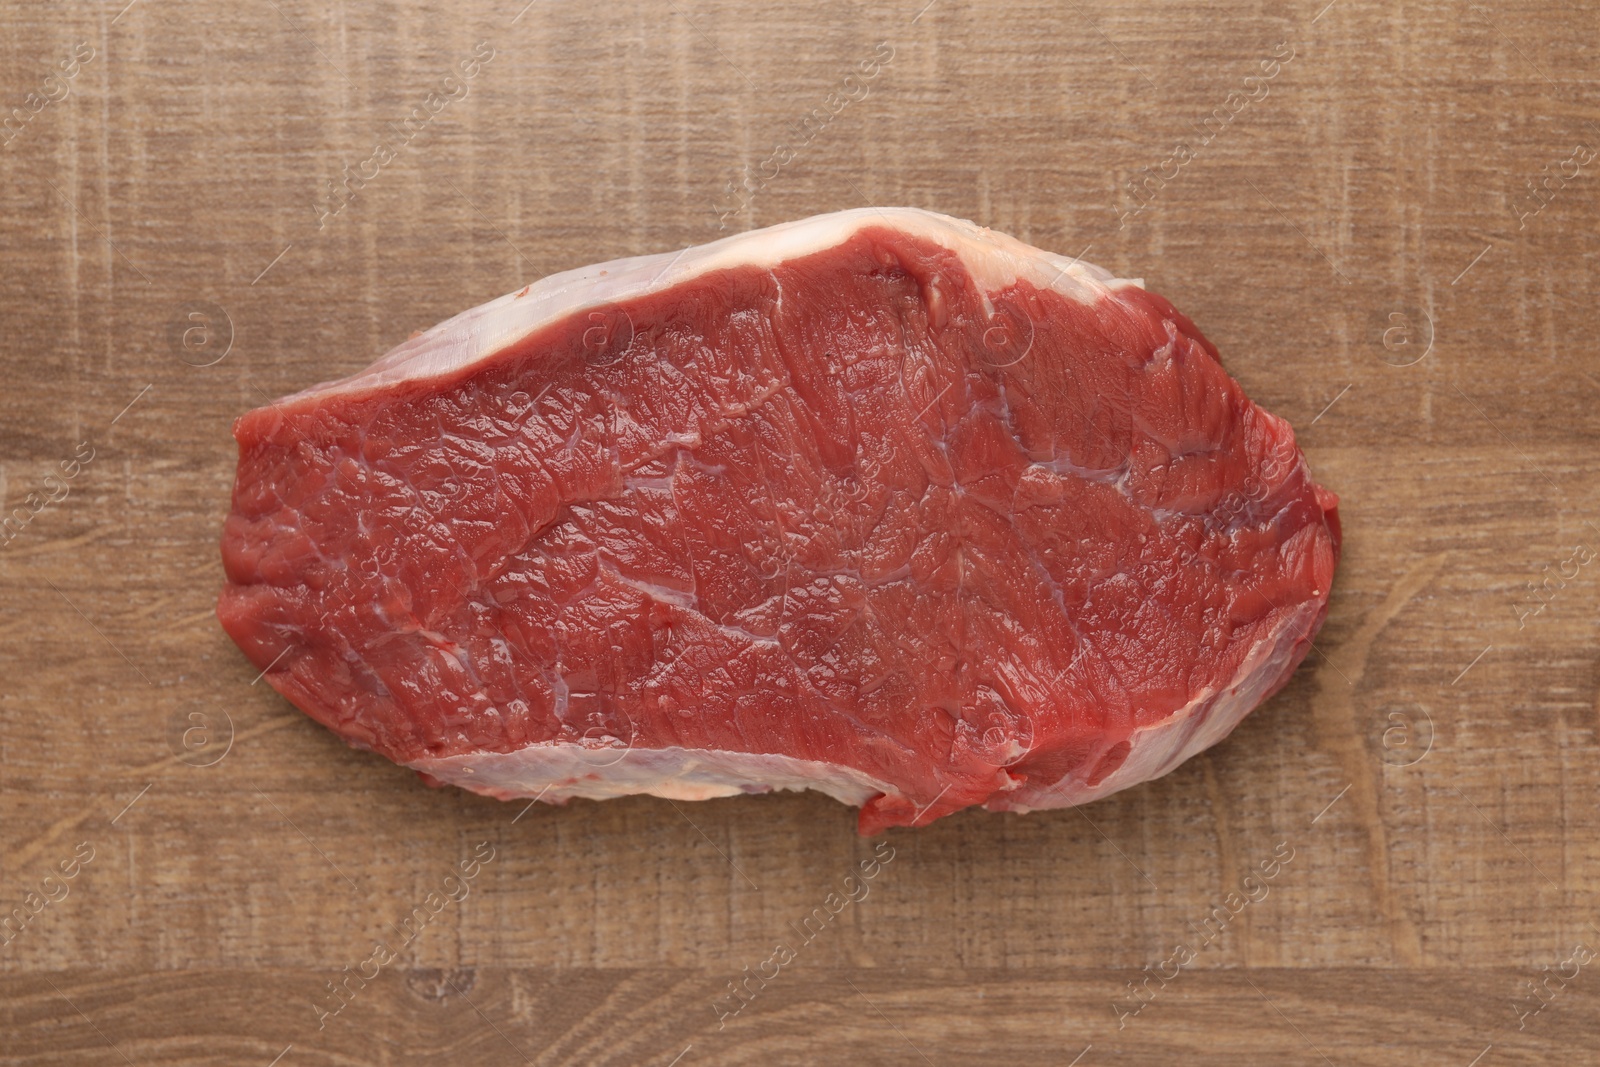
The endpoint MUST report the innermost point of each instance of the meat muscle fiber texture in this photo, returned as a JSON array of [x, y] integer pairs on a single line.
[[879, 503]]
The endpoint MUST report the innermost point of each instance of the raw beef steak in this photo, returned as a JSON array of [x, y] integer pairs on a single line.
[[879, 503]]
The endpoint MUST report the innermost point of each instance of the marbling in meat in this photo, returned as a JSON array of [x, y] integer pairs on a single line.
[[879, 503]]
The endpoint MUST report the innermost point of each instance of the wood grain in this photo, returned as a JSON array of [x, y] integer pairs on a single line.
[[1358, 241]]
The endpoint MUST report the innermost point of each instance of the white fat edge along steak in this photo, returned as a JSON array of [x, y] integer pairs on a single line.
[[879, 503]]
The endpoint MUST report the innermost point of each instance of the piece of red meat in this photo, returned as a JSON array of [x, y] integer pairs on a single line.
[[879, 503]]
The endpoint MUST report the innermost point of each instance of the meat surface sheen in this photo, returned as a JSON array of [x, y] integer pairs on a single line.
[[879, 503]]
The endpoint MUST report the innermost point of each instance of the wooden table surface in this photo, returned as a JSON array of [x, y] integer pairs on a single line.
[[1341, 196]]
